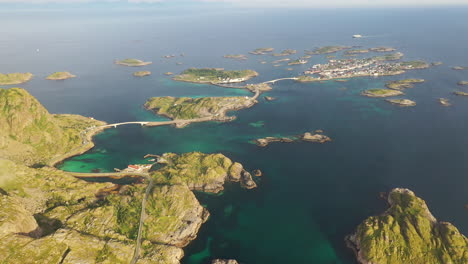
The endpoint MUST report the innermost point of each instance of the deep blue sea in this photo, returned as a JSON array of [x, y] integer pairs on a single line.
[[311, 195]]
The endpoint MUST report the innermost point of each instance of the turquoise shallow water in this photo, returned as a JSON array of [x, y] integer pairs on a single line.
[[311, 195]]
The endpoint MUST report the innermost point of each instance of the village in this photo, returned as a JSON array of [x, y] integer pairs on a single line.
[[347, 68]]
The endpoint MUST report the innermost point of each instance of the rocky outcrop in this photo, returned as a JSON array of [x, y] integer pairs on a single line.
[[174, 216], [269, 98], [14, 218], [401, 102], [247, 181], [224, 261], [199, 171], [444, 101], [263, 142], [317, 138], [407, 233]]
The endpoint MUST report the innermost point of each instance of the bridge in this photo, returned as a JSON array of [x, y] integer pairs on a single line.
[[281, 79]]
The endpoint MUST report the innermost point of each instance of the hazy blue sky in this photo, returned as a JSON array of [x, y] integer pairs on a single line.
[[262, 3]]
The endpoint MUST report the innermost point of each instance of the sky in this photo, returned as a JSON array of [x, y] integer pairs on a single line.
[[250, 3]]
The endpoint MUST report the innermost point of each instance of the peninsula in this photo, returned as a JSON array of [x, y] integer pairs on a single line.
[[199, 109], [261, 51], [407, 233], [308, 136], [381, 93], [214, 75], [132, 62], [30, 135], [60, 76], [52, 217], [14, 78], [141, 73]]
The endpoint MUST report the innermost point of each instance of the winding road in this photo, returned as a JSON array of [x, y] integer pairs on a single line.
[[136, 253]]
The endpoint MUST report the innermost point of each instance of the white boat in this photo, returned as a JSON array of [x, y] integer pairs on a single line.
[[357, 36]]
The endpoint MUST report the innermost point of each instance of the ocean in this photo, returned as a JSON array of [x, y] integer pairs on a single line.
[[311, 195]]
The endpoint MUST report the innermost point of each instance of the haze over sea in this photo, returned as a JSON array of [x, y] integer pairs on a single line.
[[311, 195]]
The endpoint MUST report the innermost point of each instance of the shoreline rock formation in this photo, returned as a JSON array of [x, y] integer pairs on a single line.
[[60, 76], [141, 73], [401, 102], [381, 93], [407, 232], [132, 62], [317, 138]]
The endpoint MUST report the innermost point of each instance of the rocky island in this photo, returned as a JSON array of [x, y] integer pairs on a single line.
[[460, 93], [214, 75], [235, 56], [14, 78], [198, 109], [132, 62], [444, 101], [382, 49], [297, 62], [381, 93], [60, 76], [357, 51], [403, 84], [401, 102], [407, 233], [459, 68], [262, 51], [326, 50], [461, 83], [310, 137], [286, 52], [141, 73]]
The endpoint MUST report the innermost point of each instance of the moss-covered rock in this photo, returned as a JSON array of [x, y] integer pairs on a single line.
[[408, 233]]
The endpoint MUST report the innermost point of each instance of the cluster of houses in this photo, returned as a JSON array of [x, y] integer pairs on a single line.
[[138, 168], [352, 67]]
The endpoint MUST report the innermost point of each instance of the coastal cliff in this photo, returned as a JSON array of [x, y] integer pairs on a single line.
[[407, 233], [30, 134]]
